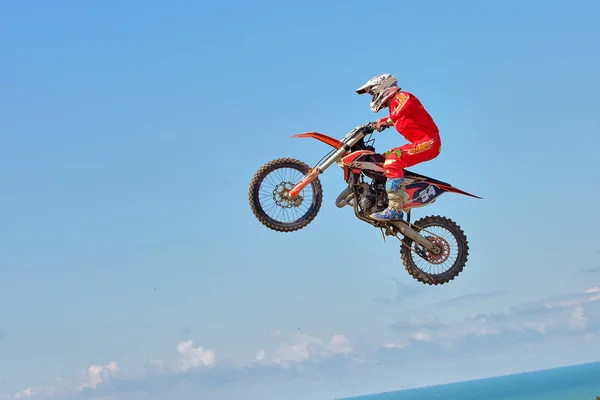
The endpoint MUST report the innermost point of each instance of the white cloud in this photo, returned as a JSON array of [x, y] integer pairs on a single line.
[[188, 358], [339, 344], [89, 377], [260, 355], [200, 366], [24, 393], [96, 374], [301, 347], [421, 336], [593, 290], [193, 357]]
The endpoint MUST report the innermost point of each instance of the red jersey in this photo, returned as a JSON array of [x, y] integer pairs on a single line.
[[410, 118]]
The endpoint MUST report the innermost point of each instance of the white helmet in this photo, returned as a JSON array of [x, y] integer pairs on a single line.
[[382, 88]]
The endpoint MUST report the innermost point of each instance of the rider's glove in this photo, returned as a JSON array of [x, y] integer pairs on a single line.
[[382, 124]]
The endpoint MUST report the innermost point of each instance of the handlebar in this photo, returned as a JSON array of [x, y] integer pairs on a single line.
[[365, 129], [369, 127]]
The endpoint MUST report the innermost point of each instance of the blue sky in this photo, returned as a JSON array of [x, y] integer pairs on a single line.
[[132, 266]]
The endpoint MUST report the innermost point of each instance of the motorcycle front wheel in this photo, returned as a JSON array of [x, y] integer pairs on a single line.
[[271, 182]]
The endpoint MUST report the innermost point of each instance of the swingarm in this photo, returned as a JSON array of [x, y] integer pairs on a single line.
[[401, 227]]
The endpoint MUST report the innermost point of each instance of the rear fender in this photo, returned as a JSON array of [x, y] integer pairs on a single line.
[[452, 189], [422, 190], [411, 176]]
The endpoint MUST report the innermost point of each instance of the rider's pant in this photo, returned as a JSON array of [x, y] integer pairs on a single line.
[[410, 154]]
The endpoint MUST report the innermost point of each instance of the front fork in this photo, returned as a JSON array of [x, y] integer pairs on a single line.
[[319, 169], [305, 181]]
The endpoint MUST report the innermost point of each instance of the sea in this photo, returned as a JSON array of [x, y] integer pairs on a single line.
[[579, 382]]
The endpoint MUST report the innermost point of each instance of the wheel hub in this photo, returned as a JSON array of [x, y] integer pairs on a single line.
[[282, 198], [441, 255]]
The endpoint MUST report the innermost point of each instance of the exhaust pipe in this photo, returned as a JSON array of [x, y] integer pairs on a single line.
[[344, 198]]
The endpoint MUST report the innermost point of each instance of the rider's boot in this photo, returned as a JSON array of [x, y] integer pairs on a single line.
[[395, 191]]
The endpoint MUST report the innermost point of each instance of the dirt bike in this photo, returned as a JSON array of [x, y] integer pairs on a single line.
[[356, 155]]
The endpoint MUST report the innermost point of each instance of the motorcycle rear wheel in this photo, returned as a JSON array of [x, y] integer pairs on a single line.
[[410, 255], [255, 195]]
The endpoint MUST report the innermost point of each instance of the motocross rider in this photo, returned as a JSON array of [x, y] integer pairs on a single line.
[[411, 120]]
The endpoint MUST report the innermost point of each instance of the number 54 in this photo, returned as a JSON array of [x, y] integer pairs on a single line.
[[426, 193]]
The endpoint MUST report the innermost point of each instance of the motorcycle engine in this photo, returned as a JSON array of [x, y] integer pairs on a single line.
[[371, 197]]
